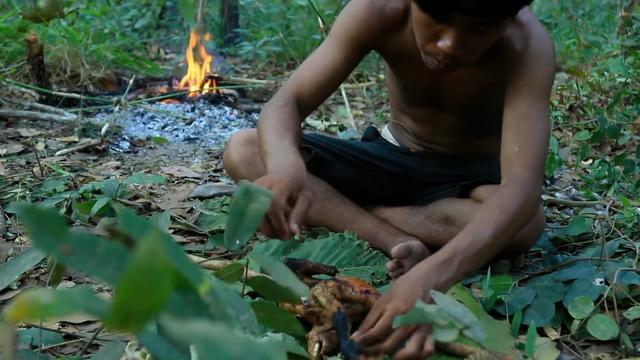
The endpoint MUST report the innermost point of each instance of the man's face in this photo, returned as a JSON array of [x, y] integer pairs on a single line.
[[449, 42]]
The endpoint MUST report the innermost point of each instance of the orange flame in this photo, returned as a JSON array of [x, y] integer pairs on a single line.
[[198, 66]]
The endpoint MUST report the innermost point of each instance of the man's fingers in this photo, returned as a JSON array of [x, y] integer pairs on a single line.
[[277, 218], [393, 342], [265, 228], [303, 202], [378, 332], [429, 347], [413, 349], [368, 322]]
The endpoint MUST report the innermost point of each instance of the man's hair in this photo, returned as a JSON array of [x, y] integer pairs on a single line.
[[485, 9]]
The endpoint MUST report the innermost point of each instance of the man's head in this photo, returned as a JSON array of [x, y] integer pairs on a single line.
[[454, 33]]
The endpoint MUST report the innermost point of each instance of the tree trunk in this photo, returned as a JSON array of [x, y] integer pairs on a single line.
[[230, 15]]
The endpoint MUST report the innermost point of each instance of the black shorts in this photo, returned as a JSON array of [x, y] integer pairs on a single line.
[[373, 171]]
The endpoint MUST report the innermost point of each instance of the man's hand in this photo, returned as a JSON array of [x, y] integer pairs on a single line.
[[289, 204], [376, 334]]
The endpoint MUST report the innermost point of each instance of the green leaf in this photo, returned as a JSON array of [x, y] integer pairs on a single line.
[[460, 315], [501, 283], [519, 298], [217, 340], [159, 140], [602, 327], [632, 313], [248, 207], [578, 225], [33, 337], [18, 265], [498, 338], [445, 334], [42, 304], [581, 307], [582, 287], [271, 290], [352, 256], [422, 313], [281, 274], [578, 270], [549, 290], [276, 318], [99, 204], [112, 350], [149, 272], [530, 344], [145, 179], [285, 342], [231, 273], [160, 347], [515, 323], [91, 254], [187, 9], [162, 220], [583, 135], [541, 312]]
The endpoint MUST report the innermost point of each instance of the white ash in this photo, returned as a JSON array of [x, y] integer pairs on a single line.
[[195, 123]]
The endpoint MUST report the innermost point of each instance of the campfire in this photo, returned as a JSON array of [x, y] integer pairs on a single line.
[[199, 79]]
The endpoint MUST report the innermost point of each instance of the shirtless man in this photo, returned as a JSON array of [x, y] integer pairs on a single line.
[[459, 168]]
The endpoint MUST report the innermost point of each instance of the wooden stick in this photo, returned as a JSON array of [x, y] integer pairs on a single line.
[[466, 351], [572, 203], [81, 146], [32, 115], [41, 107]]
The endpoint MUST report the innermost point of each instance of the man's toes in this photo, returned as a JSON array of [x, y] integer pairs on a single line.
[[396, 274], [401, 251], [394, 265]]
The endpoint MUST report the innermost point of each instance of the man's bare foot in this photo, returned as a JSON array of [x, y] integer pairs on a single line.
[[404, 256]]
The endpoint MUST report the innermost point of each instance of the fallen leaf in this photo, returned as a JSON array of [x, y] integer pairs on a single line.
[[180, 172], [209, 191], [28, 132], [68, 139], [12, 149], [40, 146], [3, 171], [175, 197]]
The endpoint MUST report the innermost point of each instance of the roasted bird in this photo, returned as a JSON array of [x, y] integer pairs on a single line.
[[332, 299]]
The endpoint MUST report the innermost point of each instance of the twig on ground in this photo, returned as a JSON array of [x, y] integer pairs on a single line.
[[81, 146], [93, 337], [35, 153], [32, 115], [572, 203], [466, 351]]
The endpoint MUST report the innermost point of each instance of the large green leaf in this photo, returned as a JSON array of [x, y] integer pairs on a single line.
[[91, 254], [113, 350], [223, 302], [33, 337], [271, 290], [144, 288], [582, 287], [248, 207], [519, 298], [549, 290], [277, 319], [632, 313], [498, 337], [422, 313], [352, 257], [40, 304], [540, 312], [281, 274], [217, 341], [461, 315], [18, 265], [285, 342]]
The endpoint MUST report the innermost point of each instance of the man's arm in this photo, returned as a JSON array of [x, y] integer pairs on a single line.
[[525, 139], [353, 35], [525, 133]]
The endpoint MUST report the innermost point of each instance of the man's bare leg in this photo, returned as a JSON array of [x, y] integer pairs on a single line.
[[439, 222], [329, 208]]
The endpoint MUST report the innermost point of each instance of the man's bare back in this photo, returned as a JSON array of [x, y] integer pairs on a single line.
[[465, 93]]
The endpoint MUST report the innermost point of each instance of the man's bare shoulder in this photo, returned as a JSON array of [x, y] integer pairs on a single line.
[[377, 18], [527, 38]]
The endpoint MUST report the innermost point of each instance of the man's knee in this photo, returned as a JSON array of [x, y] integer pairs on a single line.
[[241, 154]]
